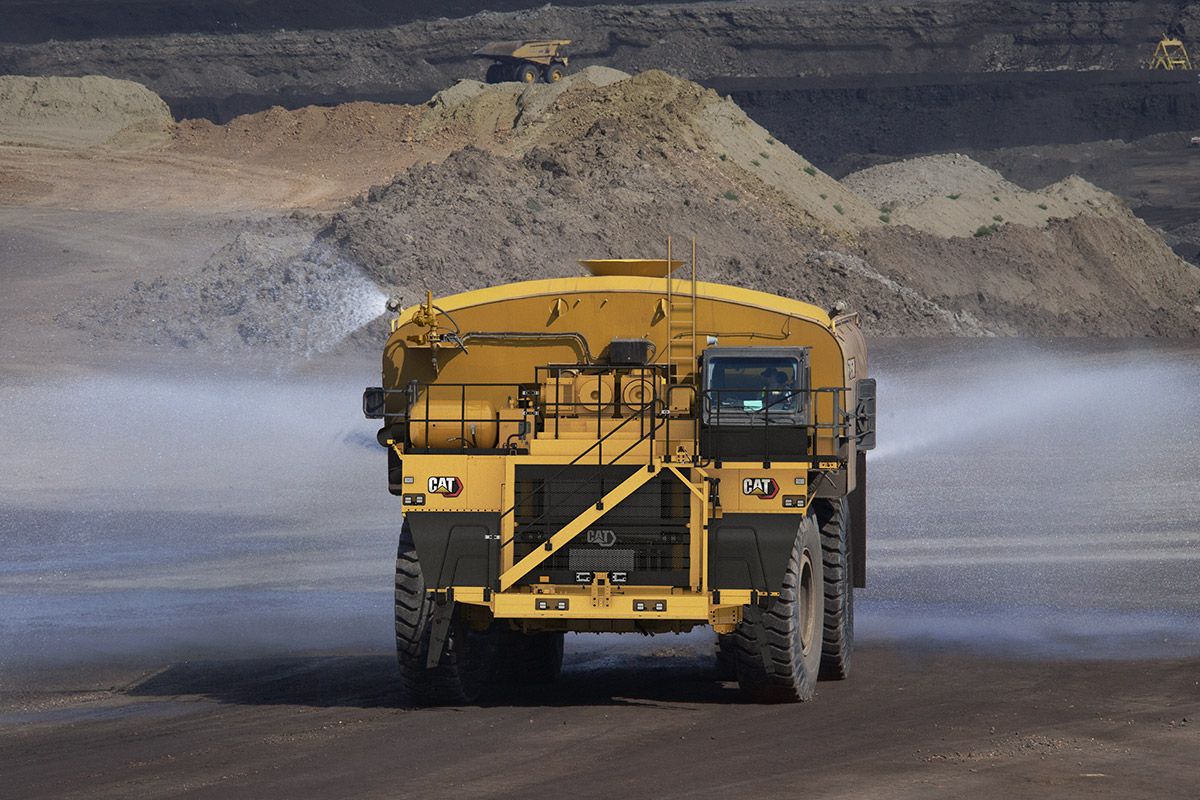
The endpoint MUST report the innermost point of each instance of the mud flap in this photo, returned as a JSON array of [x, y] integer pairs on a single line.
[[751, 551], [439, 631], [456, 548], [858, 523]]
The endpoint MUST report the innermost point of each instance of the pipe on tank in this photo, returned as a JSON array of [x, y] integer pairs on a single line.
[[500, 336]]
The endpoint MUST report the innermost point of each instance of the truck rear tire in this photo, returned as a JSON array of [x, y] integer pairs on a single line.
[[531, 659], [464, 670], [526, 73], [778, 648], [553, 73], [833, 515], [496, 73], [726, 657]]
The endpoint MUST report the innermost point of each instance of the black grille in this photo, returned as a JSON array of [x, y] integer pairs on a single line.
[[646, 535]]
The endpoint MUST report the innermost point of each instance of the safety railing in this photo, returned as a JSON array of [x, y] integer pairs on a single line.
[[426, 416], [773, 424], [644, 410]]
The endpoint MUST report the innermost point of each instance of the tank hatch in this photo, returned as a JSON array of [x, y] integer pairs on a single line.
[[638, 267]]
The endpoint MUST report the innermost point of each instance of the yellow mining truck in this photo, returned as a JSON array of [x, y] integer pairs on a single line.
[[624, 452], [525, 61]]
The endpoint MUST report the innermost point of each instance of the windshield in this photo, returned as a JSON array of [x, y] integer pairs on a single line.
[[752, 383]]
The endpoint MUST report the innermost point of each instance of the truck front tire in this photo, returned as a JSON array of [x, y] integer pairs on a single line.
[[468, 658], [777, 649], [833, 515]]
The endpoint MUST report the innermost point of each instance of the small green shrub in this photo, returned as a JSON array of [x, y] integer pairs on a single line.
[[811, 171], [730, 195], [722, 156], [953, 196], [997, 199], [885, 218], [755, 163], [764, 155], [1042, 206], [985, 230], [824, 196], [533, 205], [838, 208], [998, 218], [770, 140]]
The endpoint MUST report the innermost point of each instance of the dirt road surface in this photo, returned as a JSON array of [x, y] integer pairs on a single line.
[[908, 725]]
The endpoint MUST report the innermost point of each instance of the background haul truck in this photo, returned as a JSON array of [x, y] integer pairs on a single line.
[[627, 452]]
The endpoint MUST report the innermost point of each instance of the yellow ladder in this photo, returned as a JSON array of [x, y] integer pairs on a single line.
[[681, 343]]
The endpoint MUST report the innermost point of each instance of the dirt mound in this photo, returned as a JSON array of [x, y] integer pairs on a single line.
[[509, 182], [480, 219], [81, 112], [951, 195], [1089, 275], [668, 116], [287, 137]]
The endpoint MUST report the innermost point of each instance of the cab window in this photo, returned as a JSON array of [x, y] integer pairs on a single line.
[[750, 384]]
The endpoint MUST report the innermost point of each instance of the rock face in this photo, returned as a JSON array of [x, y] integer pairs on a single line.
[[266, 56]]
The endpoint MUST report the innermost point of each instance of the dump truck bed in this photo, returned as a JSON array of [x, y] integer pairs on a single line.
[[536, 50]]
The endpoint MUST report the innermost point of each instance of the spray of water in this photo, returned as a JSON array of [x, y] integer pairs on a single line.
[[1027, 502], [1037, 501], [346, 306]]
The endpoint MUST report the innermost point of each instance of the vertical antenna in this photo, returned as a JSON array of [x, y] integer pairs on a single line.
[[670, 309]]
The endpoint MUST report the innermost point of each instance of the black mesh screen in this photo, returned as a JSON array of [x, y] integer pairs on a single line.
[[646, 535]]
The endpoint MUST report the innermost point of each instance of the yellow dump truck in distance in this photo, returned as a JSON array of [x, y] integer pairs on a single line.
[[525, 60], [624, 452]]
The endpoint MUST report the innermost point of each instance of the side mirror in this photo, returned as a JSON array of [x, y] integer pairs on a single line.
[[374, 398]]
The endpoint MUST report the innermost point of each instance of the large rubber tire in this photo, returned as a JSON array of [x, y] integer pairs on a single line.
[[531, 659], [464, 671], [726, 657], [833, 515], [553, 73], [526, 73], [497, 73], [778, 648]]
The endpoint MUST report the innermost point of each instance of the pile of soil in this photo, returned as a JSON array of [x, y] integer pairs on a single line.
[[81, 112], [951, 195], [512, 182], [316, 139]]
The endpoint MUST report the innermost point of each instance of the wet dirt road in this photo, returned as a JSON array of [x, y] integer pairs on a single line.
[[923, 725], [202, 610]]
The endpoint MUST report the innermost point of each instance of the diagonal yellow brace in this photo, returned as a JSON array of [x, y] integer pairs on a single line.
[[696, 490], [573, 528]]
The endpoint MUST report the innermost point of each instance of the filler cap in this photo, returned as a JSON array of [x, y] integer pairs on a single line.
[[637, 267]]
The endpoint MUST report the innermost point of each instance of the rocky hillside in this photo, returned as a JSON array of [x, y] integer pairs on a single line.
[[384, 55]]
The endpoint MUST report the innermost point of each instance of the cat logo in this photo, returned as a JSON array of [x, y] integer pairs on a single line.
[[605, 537], [445, 486], [762, 488]]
